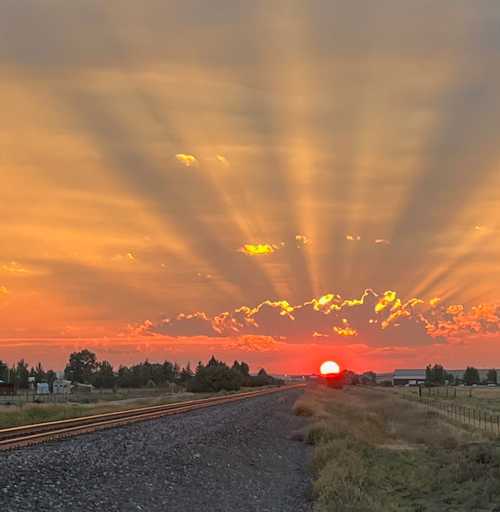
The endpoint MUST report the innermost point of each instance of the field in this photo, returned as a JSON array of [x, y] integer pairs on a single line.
[[480, 397], [376, 451], [94, 403], [16, 415]]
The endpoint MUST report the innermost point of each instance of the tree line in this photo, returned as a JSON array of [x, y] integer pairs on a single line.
[[84, 367], [438, 376]]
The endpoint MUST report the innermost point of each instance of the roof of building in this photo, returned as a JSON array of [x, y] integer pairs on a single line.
[[409, 374]]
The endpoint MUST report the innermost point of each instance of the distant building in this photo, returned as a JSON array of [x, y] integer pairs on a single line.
[[61, 387], [7, 389], [79, 387], [42, 388], [384, 377], [406, 377]]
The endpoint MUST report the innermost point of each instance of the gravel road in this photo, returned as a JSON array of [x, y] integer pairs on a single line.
[[235, 457]]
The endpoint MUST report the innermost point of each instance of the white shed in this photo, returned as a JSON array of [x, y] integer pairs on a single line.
[[61, 387], [42, 388]]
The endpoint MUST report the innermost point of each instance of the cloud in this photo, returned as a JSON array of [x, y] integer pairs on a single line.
[[382, 241], [251, 343], [373, 319], [258, 249], [13, 268], [302, 240], [127, 257], [223, 160], [456, 323], [186, 160], [353, 238], [3, 291], [298, 242], [376, 319]]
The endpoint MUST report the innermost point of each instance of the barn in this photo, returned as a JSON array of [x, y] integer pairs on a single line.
[[405, 377]]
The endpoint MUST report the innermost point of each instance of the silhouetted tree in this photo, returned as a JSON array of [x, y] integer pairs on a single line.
[[4, 371], [368, 378], [19, 374], [471, 376], [39, 373], [216, 376], [492, 377], [435, 375], [186, 374], [81, 366], [104, 377]]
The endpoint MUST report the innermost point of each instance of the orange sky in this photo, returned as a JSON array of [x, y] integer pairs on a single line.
[[173, 172]]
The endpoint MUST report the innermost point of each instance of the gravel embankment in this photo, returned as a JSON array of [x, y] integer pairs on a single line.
[[235, 457]]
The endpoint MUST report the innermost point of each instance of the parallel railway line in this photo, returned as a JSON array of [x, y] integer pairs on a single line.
[[26, 435]]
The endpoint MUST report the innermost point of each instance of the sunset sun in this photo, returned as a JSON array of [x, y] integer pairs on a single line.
[[329, 368]]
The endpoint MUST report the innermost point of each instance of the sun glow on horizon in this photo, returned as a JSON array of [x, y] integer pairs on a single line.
[[329, 368]]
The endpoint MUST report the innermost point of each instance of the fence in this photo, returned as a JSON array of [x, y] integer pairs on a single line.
[[471, 416]]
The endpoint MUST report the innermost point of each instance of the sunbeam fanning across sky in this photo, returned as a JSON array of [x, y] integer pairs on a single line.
[[283, 179]]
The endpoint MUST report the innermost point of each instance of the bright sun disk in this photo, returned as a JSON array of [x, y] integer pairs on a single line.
[[329, 367]]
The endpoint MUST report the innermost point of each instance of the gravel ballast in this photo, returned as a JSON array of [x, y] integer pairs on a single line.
[[234, 457]]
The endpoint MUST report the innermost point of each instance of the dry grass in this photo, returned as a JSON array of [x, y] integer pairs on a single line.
[[480, 397], [14, 415], [377, 452]]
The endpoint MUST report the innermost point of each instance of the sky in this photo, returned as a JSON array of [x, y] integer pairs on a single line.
[[277, 181]]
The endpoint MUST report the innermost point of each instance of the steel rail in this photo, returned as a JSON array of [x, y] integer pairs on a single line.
[[26, 435]]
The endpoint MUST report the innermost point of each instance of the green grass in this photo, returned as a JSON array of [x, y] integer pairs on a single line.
[[95, 403], [13, 416], [377, 452]]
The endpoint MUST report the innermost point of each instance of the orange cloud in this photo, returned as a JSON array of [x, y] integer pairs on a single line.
[[258, 249], [13, 268], [186, 159], [345, 329], [302, 240], [223, 160]]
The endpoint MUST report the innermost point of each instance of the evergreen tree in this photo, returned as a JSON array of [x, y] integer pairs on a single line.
[[492, 376], [471, 376]]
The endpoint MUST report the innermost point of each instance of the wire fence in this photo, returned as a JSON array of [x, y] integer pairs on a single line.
[[471, 416]]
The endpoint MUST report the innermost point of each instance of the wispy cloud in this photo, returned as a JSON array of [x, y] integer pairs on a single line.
[[258, 249], [186, 159]]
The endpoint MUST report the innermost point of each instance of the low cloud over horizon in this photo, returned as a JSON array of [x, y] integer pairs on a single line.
[[378, 321]]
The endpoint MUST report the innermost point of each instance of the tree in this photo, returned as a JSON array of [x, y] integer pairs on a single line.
[[104, 377], [39, 373], [4, 371], [81, 366], [242, 367], [51, 377], [186, 374], [436, 375], [19, 374], [492, 377], [471, 376], [368, 378], [168, 371], [216, 376]]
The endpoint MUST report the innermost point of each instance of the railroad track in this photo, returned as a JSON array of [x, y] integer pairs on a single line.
[[27, 435]]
